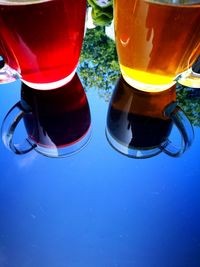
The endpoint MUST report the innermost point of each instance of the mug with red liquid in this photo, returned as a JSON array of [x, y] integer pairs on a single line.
[[41, 40], [57, 122]]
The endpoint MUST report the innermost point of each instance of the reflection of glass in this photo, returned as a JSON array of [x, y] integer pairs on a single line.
[[157, 42], [139, 123], [57, 121], [41, 40], [196, 66]]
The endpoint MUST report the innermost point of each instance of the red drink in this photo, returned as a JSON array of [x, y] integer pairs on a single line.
[[43, 40], [58, 118], [57, 121]]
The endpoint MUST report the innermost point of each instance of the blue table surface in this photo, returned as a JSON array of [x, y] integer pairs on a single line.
[[98, 208]]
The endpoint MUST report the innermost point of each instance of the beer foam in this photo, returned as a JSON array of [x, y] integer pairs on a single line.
[[22, 2]]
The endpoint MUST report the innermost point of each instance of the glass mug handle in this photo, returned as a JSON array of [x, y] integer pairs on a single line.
[[7, 74], [10, 122], [185, 128], [191, 77]]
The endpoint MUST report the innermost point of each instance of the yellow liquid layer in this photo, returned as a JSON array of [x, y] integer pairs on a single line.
[[146, 81]]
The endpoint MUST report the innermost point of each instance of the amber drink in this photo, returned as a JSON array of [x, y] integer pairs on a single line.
[[156, 41]]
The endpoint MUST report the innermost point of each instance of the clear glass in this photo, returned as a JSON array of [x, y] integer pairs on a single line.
[[139, 123], [43, 52], [57, 123], [157, 42]]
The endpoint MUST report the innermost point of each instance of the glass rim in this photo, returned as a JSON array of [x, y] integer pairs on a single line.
[[132, 152], [65, 150]]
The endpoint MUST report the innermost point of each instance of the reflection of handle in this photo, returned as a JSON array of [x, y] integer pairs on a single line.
[[185, 128], [191, 77], [9, 125], [196, 66], [7, 74]]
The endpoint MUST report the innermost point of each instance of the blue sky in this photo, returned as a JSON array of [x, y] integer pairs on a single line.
[[98, 207]]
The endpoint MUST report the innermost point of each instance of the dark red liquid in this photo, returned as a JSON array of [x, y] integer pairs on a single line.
[[58, 117], [43, 40]]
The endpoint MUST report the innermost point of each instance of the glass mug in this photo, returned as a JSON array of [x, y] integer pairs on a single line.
[[139, 123], [41, 40], [57, 122], [157, 42]]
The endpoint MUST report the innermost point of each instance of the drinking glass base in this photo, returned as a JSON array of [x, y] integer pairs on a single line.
[[52, 85]]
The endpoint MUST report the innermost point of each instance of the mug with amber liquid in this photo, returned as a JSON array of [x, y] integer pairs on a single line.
[[157, 42], [41, 41], [139, 123]]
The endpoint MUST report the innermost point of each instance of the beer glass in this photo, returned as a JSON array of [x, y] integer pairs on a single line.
[[41, 40], [57, 122], [157, 42], [139, 123]]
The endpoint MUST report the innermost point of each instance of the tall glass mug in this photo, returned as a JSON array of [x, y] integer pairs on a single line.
[[41, 40], [57, 122], [157, 42], [139, 123]]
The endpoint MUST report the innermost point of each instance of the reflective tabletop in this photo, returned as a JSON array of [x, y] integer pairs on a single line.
[[97, 207]]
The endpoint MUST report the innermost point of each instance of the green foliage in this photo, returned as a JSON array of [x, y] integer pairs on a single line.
[[98, 66], [102, 12], [100, 3], [189, 101]]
